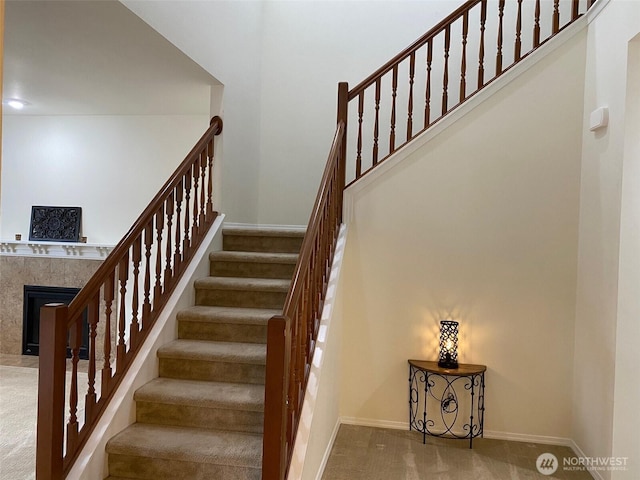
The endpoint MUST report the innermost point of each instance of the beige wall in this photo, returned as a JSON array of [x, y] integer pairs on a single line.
[[479, 225], [18, 271], [599, 310]]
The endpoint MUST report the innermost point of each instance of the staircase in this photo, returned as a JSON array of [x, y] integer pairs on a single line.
[[203, 417]]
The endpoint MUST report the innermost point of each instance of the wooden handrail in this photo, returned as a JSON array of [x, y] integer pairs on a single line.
[[120, 303], [77, 305]]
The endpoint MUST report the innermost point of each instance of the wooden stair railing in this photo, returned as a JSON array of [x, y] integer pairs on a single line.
[[446, 80], [442, 69], [291, 337], [120, 303]]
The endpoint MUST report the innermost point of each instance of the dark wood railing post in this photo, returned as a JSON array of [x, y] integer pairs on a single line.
[[274, 451], [343, 105], [51, 382]]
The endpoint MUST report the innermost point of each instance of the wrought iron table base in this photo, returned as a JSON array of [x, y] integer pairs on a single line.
[[435, 388]]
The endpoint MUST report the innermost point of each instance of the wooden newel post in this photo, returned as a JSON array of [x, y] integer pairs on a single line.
[[343, 106], [274, 449], [51, 380]]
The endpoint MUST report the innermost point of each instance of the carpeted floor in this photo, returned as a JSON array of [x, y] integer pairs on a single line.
[[18, 406], [366, 453], [18, 410]]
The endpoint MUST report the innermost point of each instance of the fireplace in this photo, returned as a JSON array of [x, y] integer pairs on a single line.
[[35, 297]]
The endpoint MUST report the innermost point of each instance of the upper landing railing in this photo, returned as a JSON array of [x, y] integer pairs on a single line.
[[453, 61], [118, 306]]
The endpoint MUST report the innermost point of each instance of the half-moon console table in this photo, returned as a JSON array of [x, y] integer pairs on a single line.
[[440, 397]]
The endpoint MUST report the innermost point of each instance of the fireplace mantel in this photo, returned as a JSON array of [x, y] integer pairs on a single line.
[[28, 248]]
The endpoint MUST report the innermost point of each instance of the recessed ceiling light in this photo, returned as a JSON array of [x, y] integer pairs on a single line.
[[17, 104]]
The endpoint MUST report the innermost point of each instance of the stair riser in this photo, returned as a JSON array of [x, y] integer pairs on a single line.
[[237, 243], [166, 469], [240, 298], [212, 371], [200, 417], [252, 269], [222, 332]]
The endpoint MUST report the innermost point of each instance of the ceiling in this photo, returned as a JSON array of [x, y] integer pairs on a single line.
[[95, 57]]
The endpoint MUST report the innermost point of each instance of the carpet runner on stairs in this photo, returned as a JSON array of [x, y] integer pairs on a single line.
[[203, 417]]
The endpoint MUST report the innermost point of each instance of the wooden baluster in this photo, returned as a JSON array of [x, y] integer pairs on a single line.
[[304, 340], [536, 25], [210, 178], [134, 328], [463, 62], [412, 71], [186, 243], [123, 276], [203, 191], [376, 124], [556, 16], [108, 288], [75, 340], [93, 314], [427, 95], [445, 79], [195, 175], [359, 144], [148, 242], [177, 257], [500, 39], [394, 94], [517, 53], [591, 2], [575, 9], [157, 291], [483, 21], [168, 271]]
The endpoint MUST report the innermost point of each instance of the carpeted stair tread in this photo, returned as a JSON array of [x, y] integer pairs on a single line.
[[182, 444], [234, 315], [255, 257], [231, 396], [247, 353], [244, 284], [263, 232]]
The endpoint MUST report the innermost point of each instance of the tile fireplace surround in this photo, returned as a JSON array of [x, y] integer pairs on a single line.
[[45, 264]]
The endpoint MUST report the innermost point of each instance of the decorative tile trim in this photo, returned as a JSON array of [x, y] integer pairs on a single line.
[[85, 251]]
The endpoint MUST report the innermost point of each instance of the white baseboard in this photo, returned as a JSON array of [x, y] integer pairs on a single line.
[[523, 437], [579, 453], [327, 453], [370, 422]]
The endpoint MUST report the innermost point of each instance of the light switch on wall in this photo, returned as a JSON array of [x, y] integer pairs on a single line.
[[599, 118]]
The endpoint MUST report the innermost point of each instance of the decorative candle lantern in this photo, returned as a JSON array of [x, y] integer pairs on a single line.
[[448, 344]]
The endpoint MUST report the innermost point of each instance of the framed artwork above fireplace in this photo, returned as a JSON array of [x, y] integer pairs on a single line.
[[55, 224]]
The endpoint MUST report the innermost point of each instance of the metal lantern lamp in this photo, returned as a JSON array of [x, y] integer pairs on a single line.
[[448, 344]]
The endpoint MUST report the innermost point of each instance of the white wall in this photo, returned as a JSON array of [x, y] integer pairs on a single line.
[[626, 434], [93, 162], [479, 225], [223, 37], [600, 255], [320, 410], [280, 63]]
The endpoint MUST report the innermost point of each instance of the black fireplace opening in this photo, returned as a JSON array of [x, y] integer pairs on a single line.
[[35, 297]]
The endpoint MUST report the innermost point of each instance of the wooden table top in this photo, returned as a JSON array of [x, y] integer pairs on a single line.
[[463, 370]]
